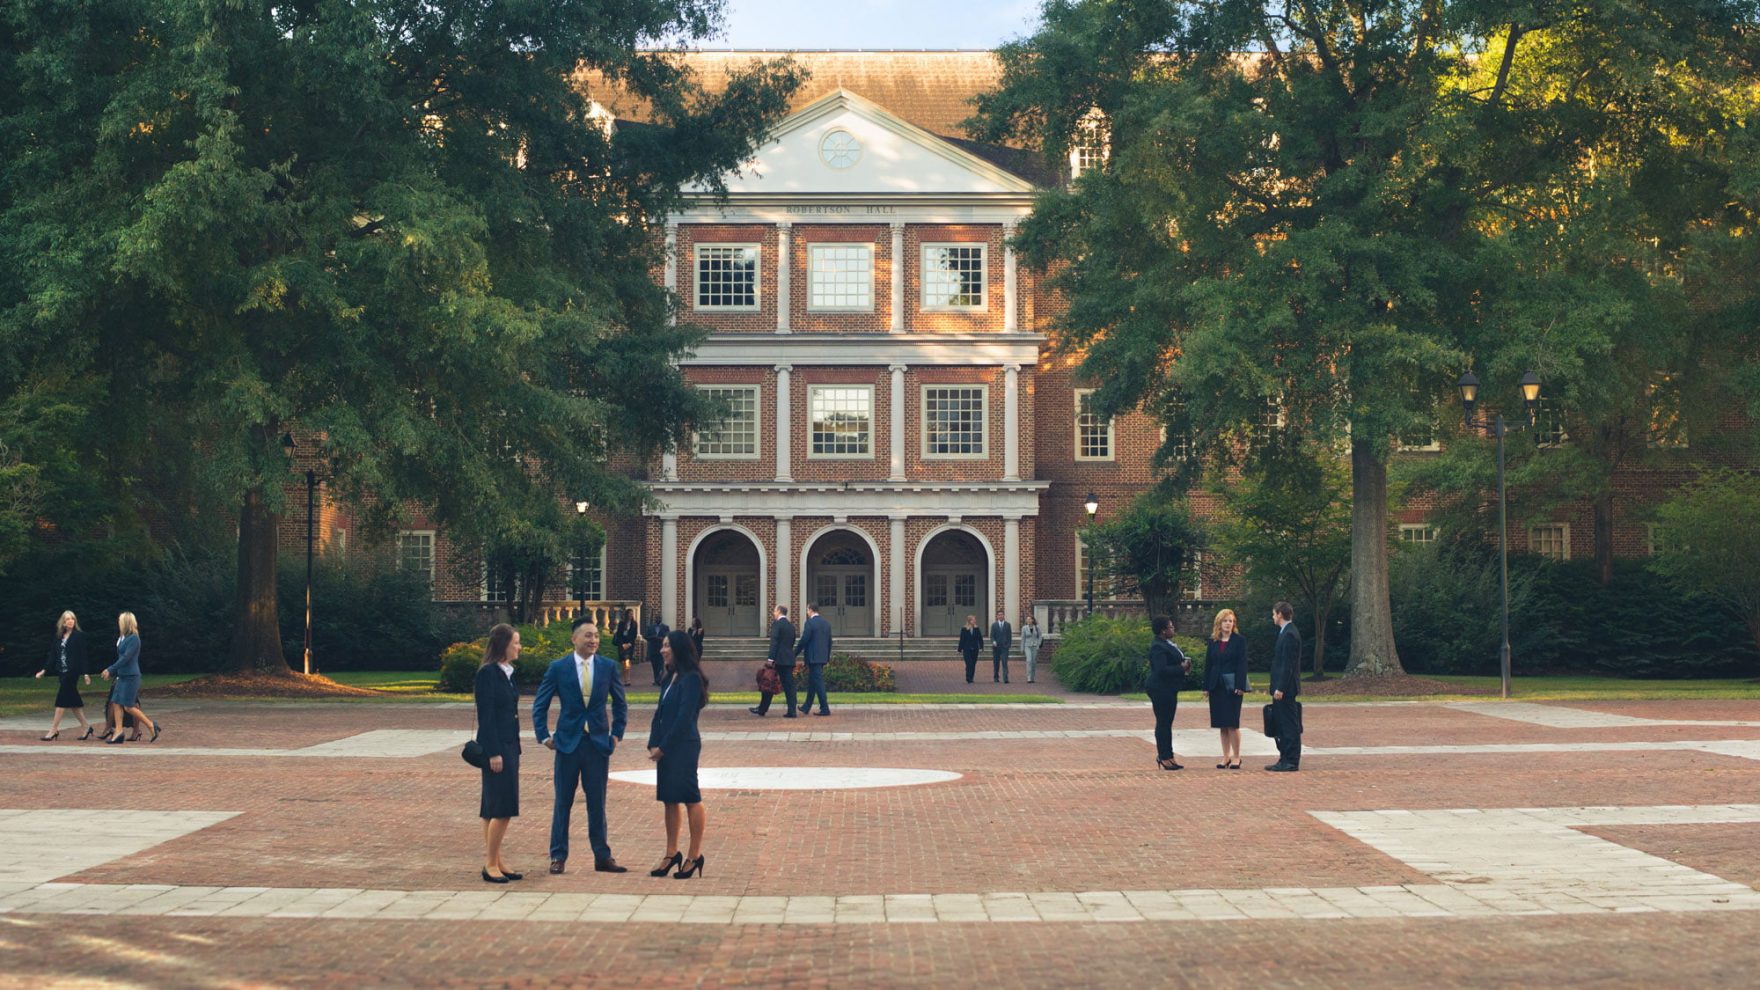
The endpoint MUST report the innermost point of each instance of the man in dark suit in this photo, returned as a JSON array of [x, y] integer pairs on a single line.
[[781, 657], [1001, 638], [655, 634], [815, 644], [1286, 683], [584, 739]]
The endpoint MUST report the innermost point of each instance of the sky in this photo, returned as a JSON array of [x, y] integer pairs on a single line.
[[799, 24]]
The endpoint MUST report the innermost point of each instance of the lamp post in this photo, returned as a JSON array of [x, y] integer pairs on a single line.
[[288, 444], [1469, 389], [1093, 506], [580, 584]]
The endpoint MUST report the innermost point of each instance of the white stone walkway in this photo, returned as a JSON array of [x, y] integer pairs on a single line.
[[1564, 717]]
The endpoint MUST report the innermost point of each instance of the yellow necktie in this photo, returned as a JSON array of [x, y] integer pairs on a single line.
[[587, 681]]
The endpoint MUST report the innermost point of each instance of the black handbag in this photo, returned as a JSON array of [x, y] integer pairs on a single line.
[[473, 754]]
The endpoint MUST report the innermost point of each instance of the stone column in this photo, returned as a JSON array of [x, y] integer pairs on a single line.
[[898, 419], [897, 278], [784, 274], [669, 466], [669, 572], [784, 424], [1011, 423], [1010, 283], [1011, 570], [672, 266], [896, 606], [784, 572]]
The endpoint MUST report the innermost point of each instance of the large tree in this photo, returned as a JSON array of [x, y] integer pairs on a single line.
[[399, 230], [1306, 205]]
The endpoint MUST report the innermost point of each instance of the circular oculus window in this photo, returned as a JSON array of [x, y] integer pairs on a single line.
[[840, 149]]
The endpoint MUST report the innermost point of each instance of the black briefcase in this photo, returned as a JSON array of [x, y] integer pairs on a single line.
[[1270, 722]]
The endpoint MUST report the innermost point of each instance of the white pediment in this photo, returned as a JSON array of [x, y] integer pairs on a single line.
[[845, 144]]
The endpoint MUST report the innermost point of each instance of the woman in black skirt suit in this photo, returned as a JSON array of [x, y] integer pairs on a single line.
[[67, 661], [675, 745], [498, 734], [1225, 682]]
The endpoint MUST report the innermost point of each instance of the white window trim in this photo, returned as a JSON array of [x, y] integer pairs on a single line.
[[433, 549], [1076, 432], [568, 576], [1564, 526], [483, 590], [697, 276], [1194, 592], [1650, 531], [1564, 435], [923, 276], [873, 425], [984, 412], [1405, 528], [757, 425], [1096, 122], [811, 271]]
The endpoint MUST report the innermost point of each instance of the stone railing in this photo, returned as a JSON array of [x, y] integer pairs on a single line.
[[603, 613], [1190, 617]]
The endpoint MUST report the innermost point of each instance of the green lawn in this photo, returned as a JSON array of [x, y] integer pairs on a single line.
[[26, 695], [1573, 688]]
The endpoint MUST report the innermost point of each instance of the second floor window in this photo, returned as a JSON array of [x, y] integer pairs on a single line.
[[727, 276], [415, 552], [1093, 434], [953, 421], [840, 277], [953, 276], [842, 420], [735, 437], [586, 574]]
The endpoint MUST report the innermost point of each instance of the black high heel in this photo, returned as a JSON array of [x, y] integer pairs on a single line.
[[489, 879], [667, 866], [88, 735], [695, 870], [115, 740], [156, 728], [51, 737]]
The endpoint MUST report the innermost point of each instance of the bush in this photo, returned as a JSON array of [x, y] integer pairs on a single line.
[[539, 646], [851, 674], [1103, 655], [368, 614], [1447, 610]]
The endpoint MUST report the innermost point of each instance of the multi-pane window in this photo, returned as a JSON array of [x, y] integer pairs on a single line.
[[727, 276], [586, 574], [1656, 538], [1271, 419], [953, 276], [840, 277], [1420, 437], [1105, 584], [735, 437], [1549, 424], [1417, 533], [1093, 434], [842, 419], [965, 591], [953, 421], [495, 587], [1551, 540], [1088, 147], [415, 552], [1192, 580]]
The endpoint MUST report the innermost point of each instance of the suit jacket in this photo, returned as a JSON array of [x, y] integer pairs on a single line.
[[128, 658], [970, 641], [781, 640], [1001, 635], [1032, 637], [1167, 668], [675, 719], [1231, 658], [697, 641], [497, 711], [626, 635], [1286, 665], [815, 641], [579, 720], [655, 634], [76, 655]]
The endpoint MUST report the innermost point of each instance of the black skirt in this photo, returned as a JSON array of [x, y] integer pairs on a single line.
[[501, 790], [1225, 710], [67, 695], [675, 782]]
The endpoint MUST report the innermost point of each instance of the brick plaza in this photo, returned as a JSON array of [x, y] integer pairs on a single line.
[[1484, 844]]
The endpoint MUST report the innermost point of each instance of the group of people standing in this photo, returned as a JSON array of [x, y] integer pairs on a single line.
[[971, 642], [67, 662], [591, 718], [1226, 686]]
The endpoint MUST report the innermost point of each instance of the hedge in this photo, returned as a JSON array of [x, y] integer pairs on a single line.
[[1104, 655]]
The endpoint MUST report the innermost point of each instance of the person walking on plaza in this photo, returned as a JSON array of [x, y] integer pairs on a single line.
[[1032, 637], [1286, 684], [1225, 683], [674, 744], [581, 682], [498, 733], [971, 640], [127, 671], [624, 639], [1001, 640], [654, 635], [1168, 667], [815, 644], [697, 633], [67, 661], [781, 658]]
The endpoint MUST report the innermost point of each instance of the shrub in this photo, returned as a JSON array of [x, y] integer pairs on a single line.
[[1447, 609], [538, 647], [368, 614], [458, 667], [848, 673], [1104, 655]]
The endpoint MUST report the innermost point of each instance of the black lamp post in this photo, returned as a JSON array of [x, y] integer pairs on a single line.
[[1093, 506], [1469, 389], [580, 583], [288, 445]]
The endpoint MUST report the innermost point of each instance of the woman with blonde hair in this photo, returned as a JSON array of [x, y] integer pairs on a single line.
[[1225, 683], [67, 660], [127, 672]]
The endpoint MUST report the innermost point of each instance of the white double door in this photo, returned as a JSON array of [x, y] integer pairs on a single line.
[[949, 595], [727, 602], [846, 598]]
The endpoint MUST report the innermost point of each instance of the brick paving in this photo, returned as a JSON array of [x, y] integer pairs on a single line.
[[905, 886]]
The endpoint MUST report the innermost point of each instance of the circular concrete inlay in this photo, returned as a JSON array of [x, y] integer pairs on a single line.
[[798, 778]]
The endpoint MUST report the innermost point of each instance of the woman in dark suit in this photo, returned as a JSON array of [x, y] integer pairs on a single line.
[[971, 640], [625, 640], [675, 745], [126, 698], [1225, 682], [1167, 674], [697, 635], [498, 734], [67, 661]]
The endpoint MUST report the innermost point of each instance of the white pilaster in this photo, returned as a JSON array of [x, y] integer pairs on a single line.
[[669, 466], [672, 266], [897, 278], [784, 424], [784, 274], [1011, 570], [1011, 423], [896, 605], [1010, 283], [785, 554], [898, 416], [669, 572]]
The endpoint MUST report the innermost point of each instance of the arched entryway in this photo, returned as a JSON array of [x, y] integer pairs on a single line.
[[953, 574], [727, 577], [839, 568]]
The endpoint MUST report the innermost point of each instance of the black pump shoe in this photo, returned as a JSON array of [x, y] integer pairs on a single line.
[[667, 866], [489, 879], [88, 735], [696, 870]]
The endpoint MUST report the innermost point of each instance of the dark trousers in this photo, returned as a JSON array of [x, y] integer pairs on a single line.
[[786, 675], [971, 665], [658, 662], [999, 663], [816, 688], [1289, 731], [1166, 703], [587, 767]]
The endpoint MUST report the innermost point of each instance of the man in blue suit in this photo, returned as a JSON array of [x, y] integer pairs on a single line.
[[815, 644], [583, 741]]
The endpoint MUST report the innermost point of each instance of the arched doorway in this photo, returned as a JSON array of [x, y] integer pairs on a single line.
[[955, 583], [841, 578], [725, 588]]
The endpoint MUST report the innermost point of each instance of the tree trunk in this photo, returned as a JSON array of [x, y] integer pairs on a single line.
[[256, 639], [1603, 526], [1372, 647], [1321, 618]]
